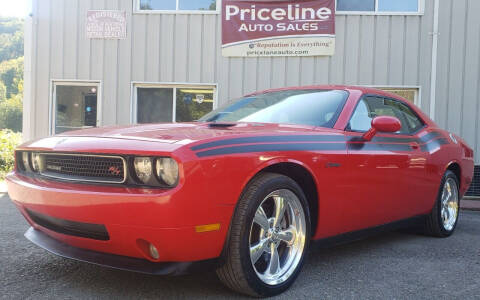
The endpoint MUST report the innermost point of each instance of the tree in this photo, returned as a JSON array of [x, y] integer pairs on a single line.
[[11, 74], [3, 92], [10, 25], [11, 114]]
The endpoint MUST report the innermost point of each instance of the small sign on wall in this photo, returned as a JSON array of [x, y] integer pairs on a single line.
[[106, 24]]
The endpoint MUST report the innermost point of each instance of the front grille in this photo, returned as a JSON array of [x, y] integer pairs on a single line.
[[474, 190], [84, 230], [78, 167]]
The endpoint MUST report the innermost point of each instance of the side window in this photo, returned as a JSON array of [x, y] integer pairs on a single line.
[[361, 120], [413, 122], [371, 107]]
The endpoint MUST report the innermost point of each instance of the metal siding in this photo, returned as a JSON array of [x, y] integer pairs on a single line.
[[352, 47], [153, 48], [110, 76], [412, 45], [279, 65], [167, 32], [458, 74], [70, 37], [42, 69], [370, 50], [337, 62], [381, 50], [425, 54], [83, 47], [366, 57], [397, 49], [124, 60]]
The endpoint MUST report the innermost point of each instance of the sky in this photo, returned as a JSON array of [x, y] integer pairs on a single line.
[[14, 8]]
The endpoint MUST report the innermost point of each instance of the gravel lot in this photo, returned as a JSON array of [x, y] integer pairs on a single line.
[[394, 265]]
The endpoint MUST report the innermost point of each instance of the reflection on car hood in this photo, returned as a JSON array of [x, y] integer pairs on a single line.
[[185, 133], [146, 138]]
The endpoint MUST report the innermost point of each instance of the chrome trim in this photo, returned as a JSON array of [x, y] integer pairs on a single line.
[[449, 205], [43, 154], [453, 138], [277, 243]]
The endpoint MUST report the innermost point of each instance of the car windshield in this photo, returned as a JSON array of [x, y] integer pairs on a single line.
[[319, 108]]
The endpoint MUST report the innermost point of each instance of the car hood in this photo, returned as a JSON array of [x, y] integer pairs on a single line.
[[186, 132], [148, 137]]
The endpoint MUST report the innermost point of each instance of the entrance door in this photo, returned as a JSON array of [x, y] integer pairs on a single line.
[[75, 106]]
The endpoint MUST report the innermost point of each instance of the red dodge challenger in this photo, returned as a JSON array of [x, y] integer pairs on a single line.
[[247, 188]]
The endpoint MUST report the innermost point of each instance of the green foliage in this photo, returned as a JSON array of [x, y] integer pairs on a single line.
[[11, 75], [8, 141], [11, 111], [11, 38], [10, 25], [3, 92]]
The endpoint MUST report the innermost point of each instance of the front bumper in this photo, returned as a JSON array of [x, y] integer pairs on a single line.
[[166, 219], [116, 261]]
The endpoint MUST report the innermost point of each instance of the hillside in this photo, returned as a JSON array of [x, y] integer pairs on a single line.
[[11, 73]]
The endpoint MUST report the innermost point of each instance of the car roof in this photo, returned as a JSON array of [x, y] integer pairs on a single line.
[[361, 89]]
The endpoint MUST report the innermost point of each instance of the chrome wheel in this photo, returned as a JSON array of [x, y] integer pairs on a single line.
[[449, 205], [277, 237]]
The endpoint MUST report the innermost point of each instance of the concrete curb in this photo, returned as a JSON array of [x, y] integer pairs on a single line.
[[469, 204]]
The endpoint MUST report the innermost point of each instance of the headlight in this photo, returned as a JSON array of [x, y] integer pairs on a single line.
[[167, 170], [36, 162], [143, 168], [25, 160]]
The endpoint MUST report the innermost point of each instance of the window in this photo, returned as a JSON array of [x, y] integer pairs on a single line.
[[75, 106], [304, 107], [411, 94], [355, 5], [371, 106], [163, 104], [380, 6], [203, 6]]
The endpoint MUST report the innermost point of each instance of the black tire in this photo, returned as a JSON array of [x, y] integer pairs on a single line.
[[433, 223], [237, 272]]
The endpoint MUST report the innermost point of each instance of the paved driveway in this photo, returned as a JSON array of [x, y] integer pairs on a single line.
[[394, 265]]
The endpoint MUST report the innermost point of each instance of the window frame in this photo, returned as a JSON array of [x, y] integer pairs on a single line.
[[420, 11], [347, 129], [137, 10], [173, 85], [72, 82], [418, 95]]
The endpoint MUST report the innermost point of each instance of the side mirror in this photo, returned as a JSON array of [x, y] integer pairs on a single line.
[[382, 124]]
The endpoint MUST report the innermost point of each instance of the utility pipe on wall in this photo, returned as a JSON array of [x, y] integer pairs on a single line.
[[433, 77]]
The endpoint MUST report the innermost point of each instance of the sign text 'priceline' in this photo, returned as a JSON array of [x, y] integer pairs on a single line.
[[292, 13]]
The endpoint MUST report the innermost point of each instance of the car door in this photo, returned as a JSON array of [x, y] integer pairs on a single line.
[[385, 173]]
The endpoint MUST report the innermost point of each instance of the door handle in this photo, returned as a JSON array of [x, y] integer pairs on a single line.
[[415, 145]]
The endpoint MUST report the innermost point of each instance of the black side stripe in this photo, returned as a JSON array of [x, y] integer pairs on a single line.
[[379, 147], [434, 145], [316, 143], [382, 139], [271, 139], [424, 139], [274, 147], [309, 138]]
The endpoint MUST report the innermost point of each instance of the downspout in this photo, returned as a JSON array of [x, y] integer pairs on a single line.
[[29, 118], [433, 77]]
